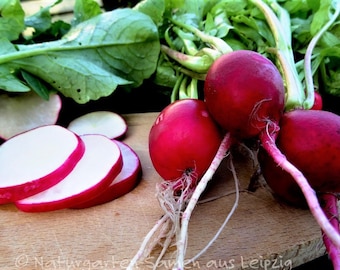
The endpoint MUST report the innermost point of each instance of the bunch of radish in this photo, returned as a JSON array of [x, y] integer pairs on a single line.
[[244, 96], [51, 167]]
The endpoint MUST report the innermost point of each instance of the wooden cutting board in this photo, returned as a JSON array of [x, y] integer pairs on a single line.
[[262, 234]]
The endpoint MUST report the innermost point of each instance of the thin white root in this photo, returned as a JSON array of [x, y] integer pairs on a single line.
[[307, 190], [173, 198], [168, 226], [232, 211], [182, 238], [143, 248]]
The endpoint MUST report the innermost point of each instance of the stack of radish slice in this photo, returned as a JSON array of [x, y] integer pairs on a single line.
[[51, 167]]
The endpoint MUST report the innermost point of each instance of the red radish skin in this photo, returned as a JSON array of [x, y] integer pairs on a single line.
[[310, 139], [318, 103], [101, 162], [244, 92], [123, 183], [36, 160], [107, 123], [183, 140]]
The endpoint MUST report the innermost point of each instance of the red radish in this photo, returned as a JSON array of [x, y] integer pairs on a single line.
[[318, 104], [36, 160], [183, 141], [310, 139], [101, 162], [123, 183], [26, 111], [107, 123], [244, 92]]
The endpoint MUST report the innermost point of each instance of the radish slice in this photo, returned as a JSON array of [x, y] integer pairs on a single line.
[[126, 180], [36, 160], [102, 162], [106, 123], [26, 111]]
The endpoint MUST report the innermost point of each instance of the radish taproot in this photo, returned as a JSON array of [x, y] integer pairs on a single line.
[[123, 183], [100, 164], [107, 123], [329, 203], [35, 160], [27, 111]]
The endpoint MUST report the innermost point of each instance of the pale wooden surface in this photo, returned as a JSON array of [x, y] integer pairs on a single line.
[[108, 236]]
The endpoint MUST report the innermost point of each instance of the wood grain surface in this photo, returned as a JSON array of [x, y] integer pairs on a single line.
[[262, 234]]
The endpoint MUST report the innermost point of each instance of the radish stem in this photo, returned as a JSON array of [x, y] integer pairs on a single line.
[[217, 43], [295, 95], [269, 145], [182, 239], [199, 64]]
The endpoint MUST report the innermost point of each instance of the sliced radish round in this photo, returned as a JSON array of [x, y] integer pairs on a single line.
[[101, 162], [26, 111], [106, 123], [126, 180], [36, 160]]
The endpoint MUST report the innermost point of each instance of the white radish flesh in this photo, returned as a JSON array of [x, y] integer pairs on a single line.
[[101, 162], [125, 181], [106, 123], [27, 111], [36, 160]]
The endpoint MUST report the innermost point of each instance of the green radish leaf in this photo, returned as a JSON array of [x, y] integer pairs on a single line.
[[94, 57], [36, 85], [9, 82], [321, 17], [80, 79], [41, 20], [153, 8], [11, 19], [84, 10], [6, 46]]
